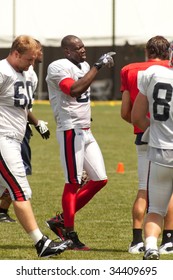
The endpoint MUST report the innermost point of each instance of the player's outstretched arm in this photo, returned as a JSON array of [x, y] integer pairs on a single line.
[[83, 84]]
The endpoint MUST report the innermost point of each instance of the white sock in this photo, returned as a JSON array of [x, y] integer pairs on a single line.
[[151, 243], [35, 235]]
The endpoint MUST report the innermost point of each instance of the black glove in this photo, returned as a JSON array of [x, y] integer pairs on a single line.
[[42, 128], [105, 60]]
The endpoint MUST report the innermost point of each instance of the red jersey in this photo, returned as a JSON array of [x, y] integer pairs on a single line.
[[129, 75]]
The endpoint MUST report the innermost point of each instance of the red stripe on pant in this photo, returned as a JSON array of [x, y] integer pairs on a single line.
[[69, 139], [11, 181]]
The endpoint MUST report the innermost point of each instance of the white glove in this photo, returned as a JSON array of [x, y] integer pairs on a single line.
[[85, 178], [42, 128], [105, 60]]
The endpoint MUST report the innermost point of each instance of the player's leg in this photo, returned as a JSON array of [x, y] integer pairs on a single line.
[[95, 168], [5, 199], [138, 210], [159, 193], [44, 246], [139, 205], [82, 196], [72, 154], [72, 144], [5, 202], [166, 246], [13, 177]]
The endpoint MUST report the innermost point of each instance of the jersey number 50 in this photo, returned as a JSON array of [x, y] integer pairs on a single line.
[[20, 99]]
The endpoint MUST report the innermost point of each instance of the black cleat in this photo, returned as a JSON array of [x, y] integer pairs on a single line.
[[77, 244], [56, 224], [5, 218], [46, 247]]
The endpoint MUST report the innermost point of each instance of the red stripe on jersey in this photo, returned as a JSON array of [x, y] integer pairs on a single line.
[[65, 85], [69, 138], [11, 181]]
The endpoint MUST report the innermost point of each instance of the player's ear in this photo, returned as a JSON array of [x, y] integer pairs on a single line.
[[67, 52], [16, 53]]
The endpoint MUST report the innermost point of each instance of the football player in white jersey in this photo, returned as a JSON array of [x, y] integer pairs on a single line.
[[41, 127], [68, 80], [157, 53], [16, 88], [156, 96]]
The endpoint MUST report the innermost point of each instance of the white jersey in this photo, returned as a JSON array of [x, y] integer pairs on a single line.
[[69, 112], [16, 91], [157, 84]]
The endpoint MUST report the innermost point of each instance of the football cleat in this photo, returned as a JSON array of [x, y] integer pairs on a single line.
[[76, 243], [137, 248], [56, 224], [5, 218], [151, 254], [46, 247], [166, 248]]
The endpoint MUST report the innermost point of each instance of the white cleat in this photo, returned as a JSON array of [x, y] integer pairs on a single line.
[[166, 248], [137, 248], [151, 254]]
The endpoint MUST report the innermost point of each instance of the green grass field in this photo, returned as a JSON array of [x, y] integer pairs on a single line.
[[105, 223]]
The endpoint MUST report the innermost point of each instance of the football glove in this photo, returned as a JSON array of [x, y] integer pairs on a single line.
[[105, 60], [42, 128], [85, 178]]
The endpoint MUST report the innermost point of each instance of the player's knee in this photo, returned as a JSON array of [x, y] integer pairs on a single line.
[[103, 182], [28, 194], [24, 195]]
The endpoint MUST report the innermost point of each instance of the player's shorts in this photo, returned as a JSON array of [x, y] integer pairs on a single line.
[[79, 150], [12, 171], [160, 188], [143, 163]]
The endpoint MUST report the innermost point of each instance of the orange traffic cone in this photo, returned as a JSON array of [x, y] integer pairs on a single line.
[[120, 167]]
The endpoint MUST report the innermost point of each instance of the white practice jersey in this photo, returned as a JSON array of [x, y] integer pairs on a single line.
[[16, 91], [157, 84], [69, 112]]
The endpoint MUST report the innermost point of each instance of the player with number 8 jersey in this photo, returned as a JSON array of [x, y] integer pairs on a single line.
[[155, 94]]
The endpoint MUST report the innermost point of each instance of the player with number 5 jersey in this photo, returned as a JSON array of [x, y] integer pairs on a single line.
[[16, 90], [17, 84]]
